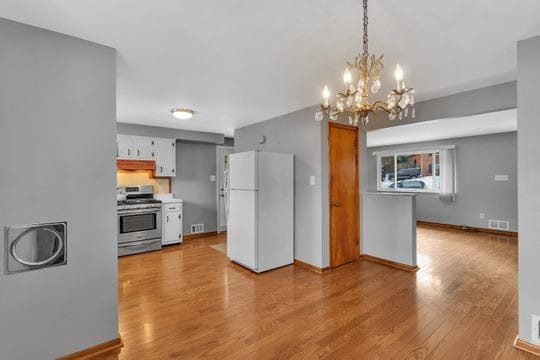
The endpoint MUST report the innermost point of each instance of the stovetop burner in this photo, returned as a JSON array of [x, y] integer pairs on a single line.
[[137, 197], [132, 204], [137, 201]]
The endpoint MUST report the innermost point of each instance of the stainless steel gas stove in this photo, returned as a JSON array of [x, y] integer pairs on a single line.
[[139, 220]]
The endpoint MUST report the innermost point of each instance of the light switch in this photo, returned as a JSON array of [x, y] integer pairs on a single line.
[[212, 177], [501, 177], [312, 180]]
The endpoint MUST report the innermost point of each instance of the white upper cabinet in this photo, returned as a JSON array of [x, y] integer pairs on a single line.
[[162, 151], [143, 147], [124, 146], [165, 151]]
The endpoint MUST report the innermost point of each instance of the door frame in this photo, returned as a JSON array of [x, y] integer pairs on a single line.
[[220, 229], [356, 191]]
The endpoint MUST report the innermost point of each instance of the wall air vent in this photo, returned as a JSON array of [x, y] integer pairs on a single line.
[[197, 228], [499, 225]]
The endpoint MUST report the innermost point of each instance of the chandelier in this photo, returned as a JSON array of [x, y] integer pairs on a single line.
[[361, 77]]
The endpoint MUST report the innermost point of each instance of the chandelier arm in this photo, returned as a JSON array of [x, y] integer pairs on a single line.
[[381, 105]]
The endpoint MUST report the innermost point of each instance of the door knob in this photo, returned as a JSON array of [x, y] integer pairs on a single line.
[[334, 204]]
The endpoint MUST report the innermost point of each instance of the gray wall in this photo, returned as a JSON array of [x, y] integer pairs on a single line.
[[396, 242], [169, 133], [299, 134], [195, 162], [479, 101], [478, 159], [528, 53], [57, 139]]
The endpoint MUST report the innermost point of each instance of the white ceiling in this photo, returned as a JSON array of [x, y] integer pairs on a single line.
[[237, 62], [449, 128]]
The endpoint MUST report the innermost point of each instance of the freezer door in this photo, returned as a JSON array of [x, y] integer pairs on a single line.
[[243, 171], [242, 228]]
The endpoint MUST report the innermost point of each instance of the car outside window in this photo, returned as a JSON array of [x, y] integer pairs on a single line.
[[411, 171]]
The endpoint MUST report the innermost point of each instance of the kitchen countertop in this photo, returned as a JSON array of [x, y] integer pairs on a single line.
[[391, 193], [167, 198]]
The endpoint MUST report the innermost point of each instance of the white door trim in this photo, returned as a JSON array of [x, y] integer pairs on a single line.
[[218, 148]]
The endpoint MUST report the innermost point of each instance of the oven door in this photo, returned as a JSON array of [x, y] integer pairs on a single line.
[[139, 224]]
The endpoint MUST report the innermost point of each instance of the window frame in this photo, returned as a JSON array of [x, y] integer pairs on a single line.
[[397, 153]]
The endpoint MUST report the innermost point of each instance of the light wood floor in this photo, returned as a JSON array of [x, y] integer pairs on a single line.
[[188, 301]]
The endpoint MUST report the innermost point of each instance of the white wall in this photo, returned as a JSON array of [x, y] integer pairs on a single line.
[[57, 140], [396, 242], [528, 53]]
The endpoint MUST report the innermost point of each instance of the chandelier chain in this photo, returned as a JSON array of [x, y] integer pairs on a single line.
[[365, 38]]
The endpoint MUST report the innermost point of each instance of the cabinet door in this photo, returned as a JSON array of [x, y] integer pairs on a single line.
[[124, 146], [143, 147], [171, 228], [165, 151]]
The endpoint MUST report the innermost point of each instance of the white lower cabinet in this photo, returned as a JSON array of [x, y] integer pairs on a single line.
[[172, 223]]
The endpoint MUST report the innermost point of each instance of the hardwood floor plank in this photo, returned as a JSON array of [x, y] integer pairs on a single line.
[[188, 301]]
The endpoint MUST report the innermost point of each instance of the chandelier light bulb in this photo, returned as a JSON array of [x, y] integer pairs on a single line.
[[326, 95], [326, 92], [347, 76], [398, 73]]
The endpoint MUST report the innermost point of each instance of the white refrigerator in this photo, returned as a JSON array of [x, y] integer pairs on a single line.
[[260, 228]]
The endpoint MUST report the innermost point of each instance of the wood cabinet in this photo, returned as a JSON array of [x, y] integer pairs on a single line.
[[172, 223], [162, 151]]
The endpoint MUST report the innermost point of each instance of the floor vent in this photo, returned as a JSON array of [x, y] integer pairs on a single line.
[[499, 225], [197, 228]]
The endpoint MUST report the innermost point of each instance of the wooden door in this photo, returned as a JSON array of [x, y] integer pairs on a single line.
[[343, 194]]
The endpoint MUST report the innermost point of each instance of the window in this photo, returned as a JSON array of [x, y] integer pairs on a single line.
[[414, 171]]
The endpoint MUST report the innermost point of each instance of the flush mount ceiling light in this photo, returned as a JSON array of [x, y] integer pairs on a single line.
[[354, 100], [182, 114]]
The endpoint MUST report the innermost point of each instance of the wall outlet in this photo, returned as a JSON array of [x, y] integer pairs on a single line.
[[501, 177], [312, 180], [535, 334], [482, 216], [197, 228], [212, 177]]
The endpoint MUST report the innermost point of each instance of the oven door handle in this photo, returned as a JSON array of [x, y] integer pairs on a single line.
[[135, 244], [136, 212]]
